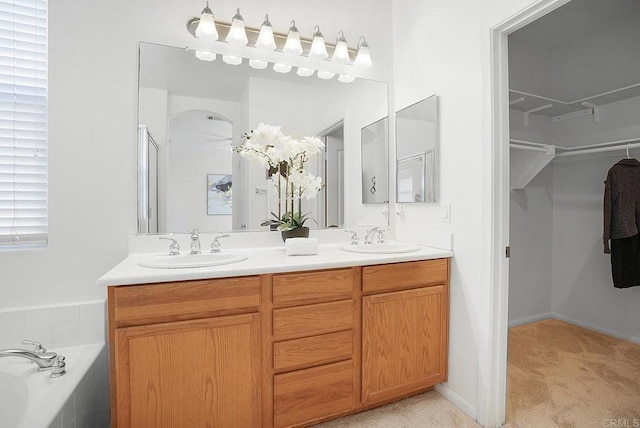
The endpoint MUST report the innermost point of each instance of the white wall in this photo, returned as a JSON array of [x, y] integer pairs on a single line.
[[93, 73]]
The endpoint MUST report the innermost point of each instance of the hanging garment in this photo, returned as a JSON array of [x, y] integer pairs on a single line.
[[622, 222]]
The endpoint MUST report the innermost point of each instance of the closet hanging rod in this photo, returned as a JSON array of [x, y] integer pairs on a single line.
[[532, 148], [609, 144], [528, 143], [600, 149], [527, 94]]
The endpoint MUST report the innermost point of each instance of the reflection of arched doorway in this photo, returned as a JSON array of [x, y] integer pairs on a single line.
[[198, 154]]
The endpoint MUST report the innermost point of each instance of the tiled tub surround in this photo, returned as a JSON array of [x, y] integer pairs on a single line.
[[80, 398]]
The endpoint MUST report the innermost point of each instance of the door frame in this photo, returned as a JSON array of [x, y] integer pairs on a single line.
[[492, 356]]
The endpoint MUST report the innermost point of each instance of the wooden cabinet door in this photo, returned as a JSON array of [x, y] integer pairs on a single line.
[[404, 342], [197, 373]]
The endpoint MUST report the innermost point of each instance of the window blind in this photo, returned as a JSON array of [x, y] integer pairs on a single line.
[[23, 123]]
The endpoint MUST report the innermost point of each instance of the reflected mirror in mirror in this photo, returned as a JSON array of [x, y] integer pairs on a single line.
[[375, 185], [196, 113], [417, 152]]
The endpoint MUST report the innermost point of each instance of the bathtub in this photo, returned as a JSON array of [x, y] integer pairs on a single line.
[[33, 399]]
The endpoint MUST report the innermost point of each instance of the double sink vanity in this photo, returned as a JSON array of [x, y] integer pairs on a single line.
[[275, 340]]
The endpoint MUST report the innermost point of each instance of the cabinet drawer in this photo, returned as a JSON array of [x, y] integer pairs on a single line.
[[312, 351], [136, 304], [306, 396], [399, 276], [312, 287], [312, 320]]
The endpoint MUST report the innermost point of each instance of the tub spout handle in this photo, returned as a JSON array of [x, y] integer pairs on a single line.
[[37, 346]]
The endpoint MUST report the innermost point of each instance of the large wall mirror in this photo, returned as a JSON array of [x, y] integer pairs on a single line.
[[417, 152], [195, 113]]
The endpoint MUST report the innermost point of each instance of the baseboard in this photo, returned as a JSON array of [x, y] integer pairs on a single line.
[[529, 320], [593, 327], [457, 400]]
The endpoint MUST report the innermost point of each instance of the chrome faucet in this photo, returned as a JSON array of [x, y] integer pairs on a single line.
[[354, 237], [195, 242], [39, 355], [174, 248], [368, 238]]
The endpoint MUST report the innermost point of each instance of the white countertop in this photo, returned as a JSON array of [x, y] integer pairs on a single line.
[[262, 261]]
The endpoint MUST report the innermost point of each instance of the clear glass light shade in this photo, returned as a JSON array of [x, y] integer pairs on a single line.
[[305, 72], [326, 75], [265, 38], [282, 68], [293, 45], [363, 59], [206, 28], [205, 56], [341, 52], [232, 59], [318, 49], [345, 78], [237, 34], [258, 64]]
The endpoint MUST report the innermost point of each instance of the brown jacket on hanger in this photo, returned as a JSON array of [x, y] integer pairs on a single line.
[[621, 201]]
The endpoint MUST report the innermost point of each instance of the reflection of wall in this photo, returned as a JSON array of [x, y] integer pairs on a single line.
[[375, 183], [416, 137], [334, 180], [196, 147]]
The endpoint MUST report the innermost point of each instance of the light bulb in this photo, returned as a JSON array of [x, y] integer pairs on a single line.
[[363, 59], [305, 72], [282, 68], [292, 45], [326, 75], [237, 35], [345, 78], [232, 59], [205, 56], [258, 64], [265, 38], [318, 49], [206, 28], [341, 52]]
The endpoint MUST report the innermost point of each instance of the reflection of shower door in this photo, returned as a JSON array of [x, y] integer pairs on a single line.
[[147, 182]]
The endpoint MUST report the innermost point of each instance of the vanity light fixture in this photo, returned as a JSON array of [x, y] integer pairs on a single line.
[[265, 41], [305, 72], [293, 45], [237, 34], [206, 29], [363, 59], [265, 38], [345, 78], [318, 48], [341, 52], [282, 68], [205, 56], [326, 75]]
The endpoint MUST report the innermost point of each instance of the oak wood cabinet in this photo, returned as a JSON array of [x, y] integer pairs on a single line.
[[179, 359], [280, 350], [404, 333]]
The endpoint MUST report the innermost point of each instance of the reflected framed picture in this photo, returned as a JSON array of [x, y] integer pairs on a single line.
[[219, 194]]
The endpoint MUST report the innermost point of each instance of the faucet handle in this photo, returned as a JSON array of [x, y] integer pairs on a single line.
[[381, 236], [195, 233], [354, 237], [215, 244], [174, 248], [58, 368], [37, 346]]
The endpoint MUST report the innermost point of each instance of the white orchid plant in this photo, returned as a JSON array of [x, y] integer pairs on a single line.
[[285, 158]]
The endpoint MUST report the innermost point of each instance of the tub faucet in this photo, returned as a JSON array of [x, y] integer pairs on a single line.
[[195, 241], [39, 355]]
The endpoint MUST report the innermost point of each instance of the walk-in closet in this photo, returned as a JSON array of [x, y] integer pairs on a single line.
[[574, 98]]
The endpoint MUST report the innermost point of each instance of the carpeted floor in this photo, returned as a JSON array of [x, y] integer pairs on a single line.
[[561, 375]]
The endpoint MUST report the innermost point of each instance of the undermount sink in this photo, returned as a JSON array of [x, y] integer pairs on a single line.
[[184, 261], [381, 248]]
